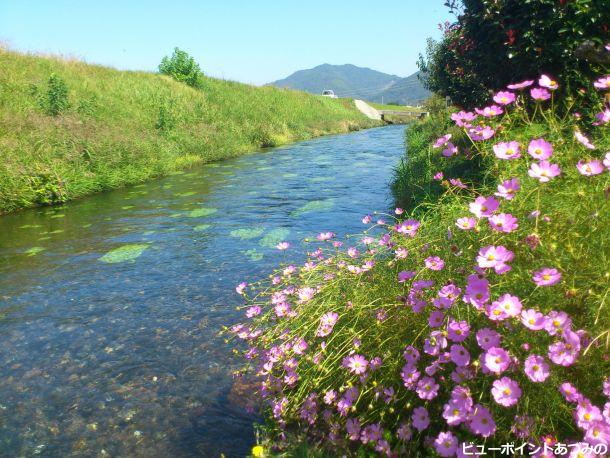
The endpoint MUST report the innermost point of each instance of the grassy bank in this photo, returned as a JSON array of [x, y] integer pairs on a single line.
[[480, 315], [121, 127]]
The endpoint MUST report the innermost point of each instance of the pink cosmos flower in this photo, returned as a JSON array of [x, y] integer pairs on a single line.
[[457, 182], [352, 426], [466, 223], [411, 354], [324, 236], [399, 211], [463, 118], [410, 376], [544, 171], [427, 388], [540, 94], [441, 141], [306, 294], [503, 222], [496, 360], [450, 150], [496, 258], [506, 392], [482, 422], [371, 433], [506, 306], [547, 82], [598, 434], [357, 364], [366, 219], [436, 318], [405, 275], [562, 354], [458, 331], [540, 149], [401, 253], [353, 252], [570, 393], [438, 176], [434, 263], [420, 419], [404, 432], [590, 168], [583, 140], [282, 309], [283, 246], [508, 188], [477, 291], [504, 98], [490, 111], [330, 396], [607, 160], [603, 117], [507, 150], [454, 413], [536, 368], [253, 311], [459, 355], [557, 322], [533, 320], [603, 82], [521, 85], [483, 207], [241, 288], [408, 227], [587, 414], [446, 444], [300, 346], [546, 277], [480, 133], [327, 322]]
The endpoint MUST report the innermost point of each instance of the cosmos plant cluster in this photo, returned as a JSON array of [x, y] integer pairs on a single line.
[[456, 375]]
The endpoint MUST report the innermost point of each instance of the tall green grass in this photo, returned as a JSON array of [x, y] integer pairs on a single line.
[[123, 127]]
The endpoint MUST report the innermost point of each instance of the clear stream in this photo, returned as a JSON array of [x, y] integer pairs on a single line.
[[110, 306]]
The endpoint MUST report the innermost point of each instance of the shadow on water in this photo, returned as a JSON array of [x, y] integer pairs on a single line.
[[110, 306]]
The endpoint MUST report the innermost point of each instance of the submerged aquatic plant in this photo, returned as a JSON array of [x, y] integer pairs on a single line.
[[422, 337]]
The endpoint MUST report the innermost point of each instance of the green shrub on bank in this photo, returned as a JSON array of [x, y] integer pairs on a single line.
[[482, 319], [121, 128], [182, 67]]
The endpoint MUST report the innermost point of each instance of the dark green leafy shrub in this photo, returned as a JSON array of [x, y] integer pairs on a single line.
[[497, 42], [182, 67]]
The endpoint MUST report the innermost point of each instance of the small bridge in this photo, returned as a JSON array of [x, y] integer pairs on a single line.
[[389, 116]]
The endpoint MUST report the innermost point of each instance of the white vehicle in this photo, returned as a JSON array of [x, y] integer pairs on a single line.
[[329, 93]]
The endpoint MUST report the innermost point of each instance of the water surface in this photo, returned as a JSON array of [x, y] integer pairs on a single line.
[[110, 306]]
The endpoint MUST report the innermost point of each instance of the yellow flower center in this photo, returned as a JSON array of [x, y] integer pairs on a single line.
[[507, 391]]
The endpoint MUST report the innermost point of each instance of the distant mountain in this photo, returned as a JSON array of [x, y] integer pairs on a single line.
[[358, 83]]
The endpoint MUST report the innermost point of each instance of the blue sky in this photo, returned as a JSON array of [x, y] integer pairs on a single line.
[[254, 41]]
